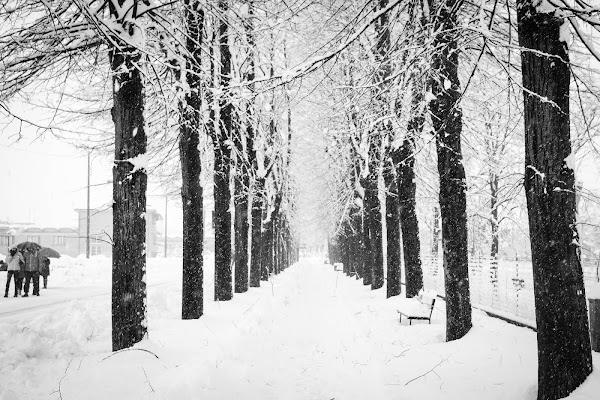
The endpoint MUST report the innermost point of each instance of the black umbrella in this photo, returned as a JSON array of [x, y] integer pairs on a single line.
[[28, 245], [48, 252]]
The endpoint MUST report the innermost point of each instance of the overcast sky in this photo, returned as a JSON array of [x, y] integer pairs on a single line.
[[44, 181]]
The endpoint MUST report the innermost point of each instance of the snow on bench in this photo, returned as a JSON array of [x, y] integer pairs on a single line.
[[338, 266], [419, 307]]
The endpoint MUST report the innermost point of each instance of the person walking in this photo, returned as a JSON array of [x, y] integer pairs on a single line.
[[32, 271], [13, 260], [45, 271], [21, 275]]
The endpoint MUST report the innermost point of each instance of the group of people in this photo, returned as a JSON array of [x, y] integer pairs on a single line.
[[24, 267]]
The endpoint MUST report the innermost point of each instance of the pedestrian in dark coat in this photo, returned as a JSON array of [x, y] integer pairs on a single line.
[[14, 259], [46, 271], [32, 271]]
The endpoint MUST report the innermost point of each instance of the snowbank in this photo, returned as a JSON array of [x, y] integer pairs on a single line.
[[309, 333]]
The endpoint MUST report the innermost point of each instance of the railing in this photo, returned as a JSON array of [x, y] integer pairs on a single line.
[[503, 287]]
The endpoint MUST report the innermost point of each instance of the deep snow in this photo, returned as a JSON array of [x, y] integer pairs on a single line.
[[309, 333]]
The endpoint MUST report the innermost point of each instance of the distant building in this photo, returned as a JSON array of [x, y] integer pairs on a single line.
[[63, 240], [101, 229]]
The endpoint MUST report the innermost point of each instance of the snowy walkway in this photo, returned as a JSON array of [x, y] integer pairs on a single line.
[[310, 333]]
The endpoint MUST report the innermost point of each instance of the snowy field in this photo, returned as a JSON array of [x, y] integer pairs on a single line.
[[309, 333]]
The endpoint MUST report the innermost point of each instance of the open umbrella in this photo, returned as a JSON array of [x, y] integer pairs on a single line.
[[28, 245], [48, 252]]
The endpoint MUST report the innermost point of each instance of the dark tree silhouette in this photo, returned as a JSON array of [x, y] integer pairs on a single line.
[[222, 195], [446, 117], [191, 190], [564, 353], [129, 200]]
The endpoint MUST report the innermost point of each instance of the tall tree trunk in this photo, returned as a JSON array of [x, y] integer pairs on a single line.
[[360, 251], [257, 227], [223, 287], [382, 50], [258, 183], [407, 189], [447, 123], [392, 213], [276, 239], [242, 183], [369, 256], [191, 191], [266, 262], [129, 200], [564, 354], [493, 181]]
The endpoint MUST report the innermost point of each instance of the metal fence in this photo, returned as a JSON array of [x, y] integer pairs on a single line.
[[504, 287]]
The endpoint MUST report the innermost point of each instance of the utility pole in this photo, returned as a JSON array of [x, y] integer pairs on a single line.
[[166, 202], [87, 224]]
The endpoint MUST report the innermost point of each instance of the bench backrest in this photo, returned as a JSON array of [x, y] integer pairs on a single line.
[[427, 297]]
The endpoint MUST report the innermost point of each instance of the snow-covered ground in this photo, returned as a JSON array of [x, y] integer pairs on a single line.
[[309, 333]]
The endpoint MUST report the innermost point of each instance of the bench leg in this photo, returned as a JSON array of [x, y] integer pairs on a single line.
[[410, 321]]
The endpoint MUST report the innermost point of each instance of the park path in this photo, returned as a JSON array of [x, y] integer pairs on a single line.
[[308, 343]]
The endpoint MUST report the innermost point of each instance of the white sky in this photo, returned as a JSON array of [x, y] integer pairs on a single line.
[[45, 181]]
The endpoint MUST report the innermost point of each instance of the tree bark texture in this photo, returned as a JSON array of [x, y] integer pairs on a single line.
[[191, 190], [564, 354], [129, 201], [222, 194], [369, 256], [257, 226], [266, 262], [373, 206], [255, 199], [359, 245], [446, 116], [392, 213], [411, 243], [382, 49], [242, 182]]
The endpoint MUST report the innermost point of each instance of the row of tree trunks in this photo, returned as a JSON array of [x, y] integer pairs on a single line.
[[191, 190], [564, 352], [346, 246]]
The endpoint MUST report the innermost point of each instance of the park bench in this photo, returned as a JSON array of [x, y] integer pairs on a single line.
[[338, 266], [419, 307]]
